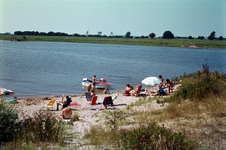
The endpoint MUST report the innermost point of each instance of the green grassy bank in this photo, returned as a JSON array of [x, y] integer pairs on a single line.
[[216, 44]]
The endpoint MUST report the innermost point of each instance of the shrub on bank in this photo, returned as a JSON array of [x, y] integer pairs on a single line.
[[200, 87], [9, 127], [43, 127], [152, 136]]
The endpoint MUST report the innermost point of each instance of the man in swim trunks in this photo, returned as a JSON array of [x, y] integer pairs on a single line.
[[66, 113], [94, 82]]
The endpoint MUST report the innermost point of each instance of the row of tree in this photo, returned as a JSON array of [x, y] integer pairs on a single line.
[[166, 35]]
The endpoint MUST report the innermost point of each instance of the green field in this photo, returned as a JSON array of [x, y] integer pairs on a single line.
[[216, 44]]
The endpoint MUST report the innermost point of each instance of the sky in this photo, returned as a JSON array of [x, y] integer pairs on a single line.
[[139, 17]]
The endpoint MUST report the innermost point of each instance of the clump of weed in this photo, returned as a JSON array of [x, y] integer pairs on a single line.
[[43, 127], [198, 90], [152, 136], [99, 135], [75, 116], [9, 126], [114, 118]]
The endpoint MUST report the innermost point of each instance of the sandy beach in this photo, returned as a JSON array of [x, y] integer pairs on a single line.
[[87, 116]]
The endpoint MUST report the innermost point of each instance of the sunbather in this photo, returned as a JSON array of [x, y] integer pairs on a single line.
[[128, 89], [67, 102], [92, 93], [66, 113], [161, 90], [137, 90]]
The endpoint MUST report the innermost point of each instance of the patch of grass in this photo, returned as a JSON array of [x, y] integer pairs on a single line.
[[152, 136], [99, 135], [75, 116], [140, 102], [114, 118]]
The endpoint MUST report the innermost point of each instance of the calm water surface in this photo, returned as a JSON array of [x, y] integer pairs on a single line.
[[54, 68]]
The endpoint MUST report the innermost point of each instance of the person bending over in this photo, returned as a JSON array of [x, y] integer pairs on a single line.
[[170, 85], [89, 87]]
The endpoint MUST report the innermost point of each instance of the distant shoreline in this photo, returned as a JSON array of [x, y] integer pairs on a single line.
[[183, 43]]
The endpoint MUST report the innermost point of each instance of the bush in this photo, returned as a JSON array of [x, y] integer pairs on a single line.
[[9, 126], [43, 127], [153, 136], [198, 90]]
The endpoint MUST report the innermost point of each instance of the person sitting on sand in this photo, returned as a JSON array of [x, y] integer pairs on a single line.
[[106, 91], [128, 89], [137, 90], [160, 91], [131, 87], [66, 113], [170, 85], [92, 93], [67, 102]]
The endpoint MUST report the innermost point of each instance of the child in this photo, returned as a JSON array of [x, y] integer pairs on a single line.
[[106, 91]]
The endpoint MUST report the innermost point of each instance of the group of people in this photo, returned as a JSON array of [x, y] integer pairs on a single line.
[[67, 112], [169, 84], [130, 91]]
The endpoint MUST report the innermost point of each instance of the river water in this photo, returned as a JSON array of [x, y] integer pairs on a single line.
[[55, 68]]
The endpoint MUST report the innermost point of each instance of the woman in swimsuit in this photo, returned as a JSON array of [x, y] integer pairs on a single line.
[[170, 85]]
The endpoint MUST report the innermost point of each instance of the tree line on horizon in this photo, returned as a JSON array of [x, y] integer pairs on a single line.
[[166, 35]]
